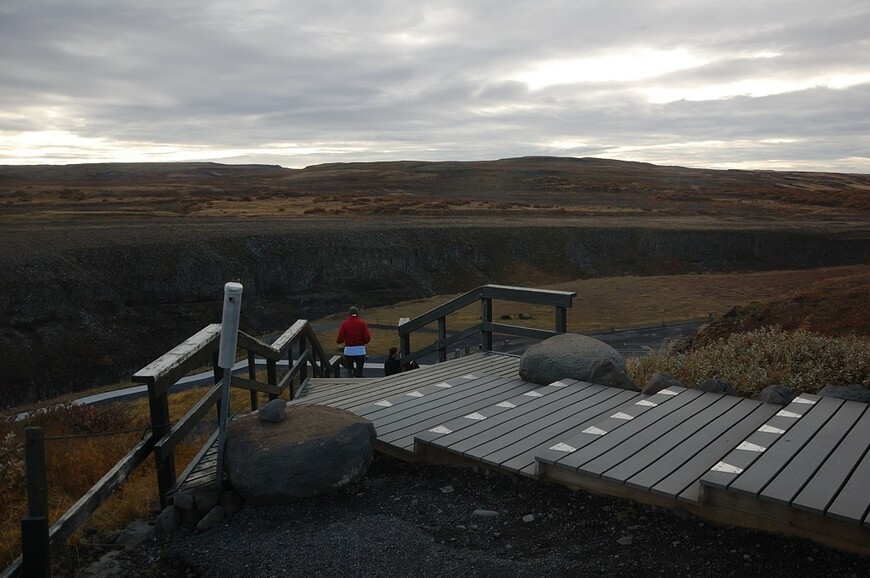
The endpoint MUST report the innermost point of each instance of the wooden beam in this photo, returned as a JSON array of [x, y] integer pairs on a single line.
[[180, 360], [528, 295], [529, 332], [254, 385], [164, 447]]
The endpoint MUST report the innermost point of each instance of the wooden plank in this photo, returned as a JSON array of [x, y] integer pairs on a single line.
[[726, 470], [180, 360], [196, 462], [605, 441], [517, 330], [851, 504], [703, 451], [627, 449], [513, 422], [434, 415], [444, 309], [520, 455], [791, 479], [771, 460], [164, 447], [286, 339], [821, 490], [532, 296], [620, 416], [671, 431]]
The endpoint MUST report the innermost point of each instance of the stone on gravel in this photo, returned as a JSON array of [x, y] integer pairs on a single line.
[[778, 394], [529, 518], [714, 385], [659, 381], [314, 451], [214, 517], [110, 565], [855, 392], [447, 490], [485, 513], [206, 500], [625, 541], [275, 411], [605, 373], [232, 502], [566, 356], [135, 533], [168, 521], [183, 500]]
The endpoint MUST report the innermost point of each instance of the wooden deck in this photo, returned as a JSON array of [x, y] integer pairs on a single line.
[[802, 469]]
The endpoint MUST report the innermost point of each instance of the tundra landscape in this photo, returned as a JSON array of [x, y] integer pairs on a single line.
[[107, 266]]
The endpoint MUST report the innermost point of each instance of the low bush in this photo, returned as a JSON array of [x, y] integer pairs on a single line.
[[750, 361]]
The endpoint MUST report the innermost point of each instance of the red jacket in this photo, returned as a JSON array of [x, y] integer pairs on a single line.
[[353, 331]]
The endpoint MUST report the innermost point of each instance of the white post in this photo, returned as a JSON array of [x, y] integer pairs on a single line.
[[226, 360]]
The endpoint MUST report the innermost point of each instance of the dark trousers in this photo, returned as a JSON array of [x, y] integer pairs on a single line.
[[355, 364]]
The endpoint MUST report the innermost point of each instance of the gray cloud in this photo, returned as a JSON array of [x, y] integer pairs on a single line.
[[774, 84]]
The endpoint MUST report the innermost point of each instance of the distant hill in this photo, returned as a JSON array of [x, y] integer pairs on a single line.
[[835, 307]]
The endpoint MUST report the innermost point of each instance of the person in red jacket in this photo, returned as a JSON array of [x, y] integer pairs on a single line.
[[354, 333]]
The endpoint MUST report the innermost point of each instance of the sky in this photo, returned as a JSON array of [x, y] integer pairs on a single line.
[[761, 84]]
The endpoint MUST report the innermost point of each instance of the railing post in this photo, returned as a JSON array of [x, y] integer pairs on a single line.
[[218, 373], [271, 376], [252, 375], [303, 371], [35, 550], [442, 337], [160, 426], [561, 320], [404, 340], [486, 317]]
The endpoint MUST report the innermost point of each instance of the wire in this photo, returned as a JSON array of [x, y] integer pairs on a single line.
[[100, 434]]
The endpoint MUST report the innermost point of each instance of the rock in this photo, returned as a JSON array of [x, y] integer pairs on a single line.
[[314, 451], [275, 411], [778, 394], [214, 517], [183, 500], [625, 541], [168, 521], [135, 533], [714, 385], [485, 513], [529, 518], [232, 502], [605, 373], [566, 356], [854, 392], [206, 500], [447, 490], [110, 565], [658, 382]]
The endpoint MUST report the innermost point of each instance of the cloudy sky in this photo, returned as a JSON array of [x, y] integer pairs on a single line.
[[772, 84]]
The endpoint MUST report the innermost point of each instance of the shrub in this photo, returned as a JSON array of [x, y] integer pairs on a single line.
[[751, 361]]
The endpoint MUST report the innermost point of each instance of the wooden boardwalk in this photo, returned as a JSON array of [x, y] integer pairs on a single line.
[[803, 469]]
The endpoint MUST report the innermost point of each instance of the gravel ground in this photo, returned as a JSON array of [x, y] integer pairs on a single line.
[[433, 521]]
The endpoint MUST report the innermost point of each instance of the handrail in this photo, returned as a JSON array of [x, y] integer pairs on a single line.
[[162, 373], [559, 300]]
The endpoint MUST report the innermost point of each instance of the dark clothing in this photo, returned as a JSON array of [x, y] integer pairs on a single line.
[[355, 365], [392, 365]]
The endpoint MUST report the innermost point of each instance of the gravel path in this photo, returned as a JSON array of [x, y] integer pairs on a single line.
[[432, 521]]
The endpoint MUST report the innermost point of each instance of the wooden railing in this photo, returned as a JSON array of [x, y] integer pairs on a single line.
[[199, 350], [559, 300]]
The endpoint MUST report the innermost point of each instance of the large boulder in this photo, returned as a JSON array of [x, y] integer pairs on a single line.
[[566, 356], [315, 450]]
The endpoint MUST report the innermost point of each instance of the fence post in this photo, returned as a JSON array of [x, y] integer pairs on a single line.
[[442, 337], [561, 320], [160, 426], [252, 375], [486, 317], [35, 553]]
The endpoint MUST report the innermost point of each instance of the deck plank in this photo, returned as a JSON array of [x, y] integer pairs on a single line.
[[724, 472], [663, 450], [773, 459], [834, 473], [607, 440], [791, 479]]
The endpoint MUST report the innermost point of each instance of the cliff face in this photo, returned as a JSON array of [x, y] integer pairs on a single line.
[[89, 316]]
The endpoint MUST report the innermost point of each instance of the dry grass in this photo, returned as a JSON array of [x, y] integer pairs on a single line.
[[76, 464]]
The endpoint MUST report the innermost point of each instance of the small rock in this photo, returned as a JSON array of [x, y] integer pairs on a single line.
[[625, 540], [135, 533], [275, 411], [658, 382], [529, 518], [717, 386], [778, 394], [214, 517], [168, 521], [855, 392], [183, 500], [485, 513], [206, 500], [108, 566], [447, 490]]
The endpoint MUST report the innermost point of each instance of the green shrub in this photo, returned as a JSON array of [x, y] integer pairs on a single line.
[[751, 361]]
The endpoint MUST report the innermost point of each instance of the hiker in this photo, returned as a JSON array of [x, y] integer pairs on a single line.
[[354, 334], [392, 364]]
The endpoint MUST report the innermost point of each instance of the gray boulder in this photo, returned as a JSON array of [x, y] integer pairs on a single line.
[[856, 392], [314, 451], [714, 385], [778, 394], [168, 521], [214, 517], [274, 411], [566, 356], [605, 373], [660, 381]]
